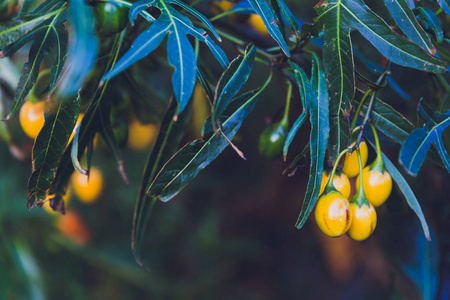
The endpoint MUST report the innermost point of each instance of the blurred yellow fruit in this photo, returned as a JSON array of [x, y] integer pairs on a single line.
[[141, 136], [31, 118], [88, 189], [257, 23]]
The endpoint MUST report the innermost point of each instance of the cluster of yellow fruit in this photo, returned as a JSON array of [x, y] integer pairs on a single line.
[[336, 214], [140, 137]]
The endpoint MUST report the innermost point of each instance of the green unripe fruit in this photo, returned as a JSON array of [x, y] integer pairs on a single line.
[[271, 141], [111, 18]]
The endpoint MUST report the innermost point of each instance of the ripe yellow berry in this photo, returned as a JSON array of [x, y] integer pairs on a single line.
[[377, 185], [141, 136], [333, 215], [351, 163], [364, 221], [88, 189], [258, 24], [340, 182], [31, 118]]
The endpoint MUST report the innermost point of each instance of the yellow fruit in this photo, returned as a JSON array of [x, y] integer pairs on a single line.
[[377, 186], [333, 215], [72, 226], [88, 189], [351, 163], [257, 23], [364, 221], [340, 182], [31, 118], [141, 136], [224, 5]]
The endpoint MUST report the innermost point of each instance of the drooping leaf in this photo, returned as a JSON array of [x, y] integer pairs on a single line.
[[263, 9], [169, 136], [416, 146], [49, 37], [232, 80], [286, 15], [305, 95], [433, 22], [48, 148], [339, 65], [83, 47], [179, 50], [355, 14], [405, 19], [407, 192], [318, 112], [193, 157]]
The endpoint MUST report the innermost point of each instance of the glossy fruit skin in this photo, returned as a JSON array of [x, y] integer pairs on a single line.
[[333, 214], [351, 163], [271, 141], [364, 221], [88, 189], [141, 136], [111, 18], [257, 23], [8, 9], [31, 118], [377, 185], [340, 182]]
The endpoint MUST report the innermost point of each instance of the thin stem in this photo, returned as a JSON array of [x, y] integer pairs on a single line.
[[285, 121], [355, 117], [330, 181]]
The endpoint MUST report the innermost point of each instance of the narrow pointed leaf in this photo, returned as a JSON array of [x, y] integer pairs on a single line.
[[179, 50], [305, 95], [396, 48], [193, 157], [48, 148], [169, 136], [198, 15], [416, 146], [407, 193], [445, 5], [232, 80], [339, 65], [430, 17], [83, 47], [288, 16], [318, 140], [405, 19], [263, 9]]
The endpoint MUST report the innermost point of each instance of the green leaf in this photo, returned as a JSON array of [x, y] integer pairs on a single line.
[[416, 146], [287, 15], [49, 37], [411, 199], [355, 14], [339, 65], [83, 48], [48, 148], [198, 15], [232, 80], [386, 119], [431, 19], [405, 19], [318, 112], [263, 9], [170, 134], [445, 4], [193, 157], [179, 50], [305, 94]]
